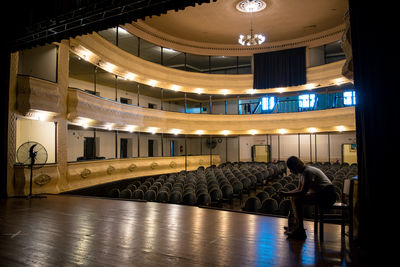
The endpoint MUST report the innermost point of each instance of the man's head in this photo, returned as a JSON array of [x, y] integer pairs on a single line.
[[295, 165]]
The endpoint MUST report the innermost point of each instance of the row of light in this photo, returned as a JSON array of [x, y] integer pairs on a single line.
[[130, 128], [87, 55]]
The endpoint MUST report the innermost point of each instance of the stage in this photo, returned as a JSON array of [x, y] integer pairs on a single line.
[[87, 231]]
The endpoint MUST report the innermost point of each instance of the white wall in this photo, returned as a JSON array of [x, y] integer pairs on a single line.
[[109, 93], [43, 132], [327, 147], [323, 147], [39, 62]]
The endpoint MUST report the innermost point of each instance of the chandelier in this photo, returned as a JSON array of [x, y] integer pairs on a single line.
[[250, 6]]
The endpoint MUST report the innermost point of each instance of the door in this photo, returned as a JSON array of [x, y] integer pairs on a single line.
[[150, 148], [123, 151], [88, 148], [260, 153]]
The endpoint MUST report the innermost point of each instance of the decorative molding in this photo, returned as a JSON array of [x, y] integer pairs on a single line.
[[94, 174], [102, 53], [85, 173], [347, 69], [172, 164], [153, 165], [132, 167], [42, 179], [101, 111], [37, 94], [150, 34], [110, 169]]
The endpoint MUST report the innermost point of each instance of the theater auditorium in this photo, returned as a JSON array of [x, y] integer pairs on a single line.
[[156, 133]]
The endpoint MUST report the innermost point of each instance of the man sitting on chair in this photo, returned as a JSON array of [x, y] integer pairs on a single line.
[[314, 188]]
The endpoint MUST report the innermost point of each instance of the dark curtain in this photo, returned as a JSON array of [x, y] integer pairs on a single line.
[[376, 81], [280, 69]]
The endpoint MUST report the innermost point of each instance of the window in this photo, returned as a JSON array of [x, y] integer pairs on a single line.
[[268, 103], [349, 98], [306, 100], [125, 100]]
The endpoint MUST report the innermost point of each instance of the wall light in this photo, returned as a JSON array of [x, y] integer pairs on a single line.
[[339, 81], [281, 90], [109, 127], [108, 67], [341, 128], [152, 82], [175, 131], [282, 131], [253, 132], [310, 86], [224, 91], [251, 91], [130, 128], [199, 90], [199, 132], [175, 87], [312, 130], [152, 130], [130, 76], [225, 132]]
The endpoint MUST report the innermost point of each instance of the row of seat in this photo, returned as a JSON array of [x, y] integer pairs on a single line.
[[205, 186]]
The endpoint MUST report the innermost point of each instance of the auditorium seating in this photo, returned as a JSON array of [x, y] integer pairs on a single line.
[[255, 184]]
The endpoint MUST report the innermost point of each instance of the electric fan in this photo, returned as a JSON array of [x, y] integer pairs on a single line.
[[33, 155]]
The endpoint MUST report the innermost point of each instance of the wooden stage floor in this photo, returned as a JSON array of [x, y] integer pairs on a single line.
[[86, 231]]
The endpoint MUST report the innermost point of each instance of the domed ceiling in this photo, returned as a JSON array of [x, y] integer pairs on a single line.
[[220, 23]]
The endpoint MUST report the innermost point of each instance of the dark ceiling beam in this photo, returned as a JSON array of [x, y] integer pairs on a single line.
[[49, 21]]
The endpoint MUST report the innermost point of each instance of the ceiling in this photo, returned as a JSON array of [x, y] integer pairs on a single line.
[[221, 23]]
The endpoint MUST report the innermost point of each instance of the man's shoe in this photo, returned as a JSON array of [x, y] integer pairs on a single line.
[[299, 234]]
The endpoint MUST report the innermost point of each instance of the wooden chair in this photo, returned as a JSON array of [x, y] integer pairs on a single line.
[[345, 216]]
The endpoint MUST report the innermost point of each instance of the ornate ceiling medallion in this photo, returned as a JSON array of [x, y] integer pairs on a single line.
[[253, 6]]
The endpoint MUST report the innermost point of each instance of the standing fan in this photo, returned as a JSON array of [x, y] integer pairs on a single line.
[[33, 155]]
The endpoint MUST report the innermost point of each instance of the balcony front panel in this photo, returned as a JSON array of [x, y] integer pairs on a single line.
[[94, 111], [100, 52]]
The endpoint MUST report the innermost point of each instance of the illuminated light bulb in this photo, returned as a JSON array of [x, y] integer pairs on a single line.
[[341, 128], [109, 127], [281, 90], [282, 131], [109, 67], [199, 132], [199, 90], [253, 132], [39, 116], [251, 91], [224, 91], [130, 76], [130, 128], [339, 81], [310, 86], [225, 132], [152, 82], [175, 87], [175, 131], [312, 130], [152, 130]]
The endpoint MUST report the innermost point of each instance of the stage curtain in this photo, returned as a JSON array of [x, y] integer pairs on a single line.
[[280, 68]]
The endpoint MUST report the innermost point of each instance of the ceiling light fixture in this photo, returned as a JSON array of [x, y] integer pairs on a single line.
[[251, 6]]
